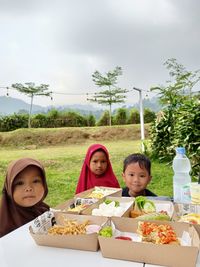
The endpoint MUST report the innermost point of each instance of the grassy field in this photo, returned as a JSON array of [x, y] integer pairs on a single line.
[[63, 165]]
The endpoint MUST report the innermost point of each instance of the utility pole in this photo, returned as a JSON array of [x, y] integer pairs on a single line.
[[141, 117]]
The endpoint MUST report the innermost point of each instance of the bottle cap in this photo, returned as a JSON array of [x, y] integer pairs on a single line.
[[180, 150]]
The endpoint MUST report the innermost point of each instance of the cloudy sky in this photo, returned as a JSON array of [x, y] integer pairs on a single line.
[[62, 42]]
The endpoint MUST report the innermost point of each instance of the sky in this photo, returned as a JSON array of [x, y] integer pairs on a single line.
[[62, 43]]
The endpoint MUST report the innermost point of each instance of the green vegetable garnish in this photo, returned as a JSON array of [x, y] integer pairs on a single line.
[[145, 204], [149, 207], [108, 201], [106, 231]]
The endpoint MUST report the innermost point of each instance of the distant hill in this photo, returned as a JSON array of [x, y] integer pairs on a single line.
[[82, 109], [152, 104], [9, 105]]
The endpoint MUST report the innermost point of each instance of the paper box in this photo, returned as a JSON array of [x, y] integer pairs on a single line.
[[108, 191], [162, 205], [81, 242], [182, 209], [125, 202], [167, 255], [86, 195], [66, 205]]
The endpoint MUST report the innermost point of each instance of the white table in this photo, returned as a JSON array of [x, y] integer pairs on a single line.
[[18, 249]]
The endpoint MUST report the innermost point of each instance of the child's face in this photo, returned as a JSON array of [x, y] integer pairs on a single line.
[[98, 163], [28, 187], [136, 178]]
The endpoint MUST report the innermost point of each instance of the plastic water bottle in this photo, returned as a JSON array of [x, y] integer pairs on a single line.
[[181, 179]]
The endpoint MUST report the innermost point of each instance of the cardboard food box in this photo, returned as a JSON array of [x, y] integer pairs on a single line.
[[183, 209], [114, 192], [65, 206], [162, 205], [167, 255], [81, 241], [126, 202], [87, 196]]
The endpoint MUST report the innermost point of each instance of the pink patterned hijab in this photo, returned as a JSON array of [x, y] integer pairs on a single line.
[[12, 215], [88, 180]]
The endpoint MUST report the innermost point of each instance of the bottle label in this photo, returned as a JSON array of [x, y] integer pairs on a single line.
[[177, 193], [185, 193]]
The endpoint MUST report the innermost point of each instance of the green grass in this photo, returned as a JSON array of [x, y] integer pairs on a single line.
[[63, 165]]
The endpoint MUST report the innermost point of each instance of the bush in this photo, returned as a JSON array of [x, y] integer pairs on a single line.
[[39, 121], [162, 134], [73, 119], [13, 122], [134, 117], [120, 117], [187, 131], [104, 120], [179, 125], [149, 115], [91, 121], [180, 128]]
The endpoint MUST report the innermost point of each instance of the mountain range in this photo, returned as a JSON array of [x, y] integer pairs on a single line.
[[9, 105]]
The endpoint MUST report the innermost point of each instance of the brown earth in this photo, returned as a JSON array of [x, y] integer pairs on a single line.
[[29, 138]]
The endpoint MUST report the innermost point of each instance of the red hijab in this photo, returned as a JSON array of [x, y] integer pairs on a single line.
[[12, 215], [88, 180]]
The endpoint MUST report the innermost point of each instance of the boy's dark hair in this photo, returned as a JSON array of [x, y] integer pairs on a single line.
[[142, 160]]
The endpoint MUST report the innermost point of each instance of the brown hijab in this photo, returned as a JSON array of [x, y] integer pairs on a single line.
[[12, 215]]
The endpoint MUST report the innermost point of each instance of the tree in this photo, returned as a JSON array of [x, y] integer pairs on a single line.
[[121, 116], [172, 96], [149, 115], [91, 121], [178, 124], [105, 118], [134, 117], [181, 84], [186, 79], [112, 94], [32, 90]]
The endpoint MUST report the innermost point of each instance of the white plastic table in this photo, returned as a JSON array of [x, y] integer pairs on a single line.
[[18, 249]]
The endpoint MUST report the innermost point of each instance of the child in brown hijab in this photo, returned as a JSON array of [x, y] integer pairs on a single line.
[[24, 190]]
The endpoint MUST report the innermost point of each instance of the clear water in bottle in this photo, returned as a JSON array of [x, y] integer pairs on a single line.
[[181, 179]]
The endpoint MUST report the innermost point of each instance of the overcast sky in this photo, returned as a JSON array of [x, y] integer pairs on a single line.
[[62, 42]]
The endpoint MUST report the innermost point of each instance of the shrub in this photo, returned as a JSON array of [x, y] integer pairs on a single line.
[[134, 117], [104, 119], [180, 128], [13, 122], [91, 121], [149, 115], [121, 116]]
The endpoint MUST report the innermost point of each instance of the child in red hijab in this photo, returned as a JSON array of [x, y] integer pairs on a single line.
[[24, 190], [96, 170]]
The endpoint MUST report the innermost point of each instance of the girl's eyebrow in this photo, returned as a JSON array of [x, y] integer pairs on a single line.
[[18, 179]]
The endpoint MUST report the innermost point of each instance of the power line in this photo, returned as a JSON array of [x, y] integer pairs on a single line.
[[63, 93], [52, 92]]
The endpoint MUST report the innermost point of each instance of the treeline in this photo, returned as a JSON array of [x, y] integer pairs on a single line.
[[56, 119]]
